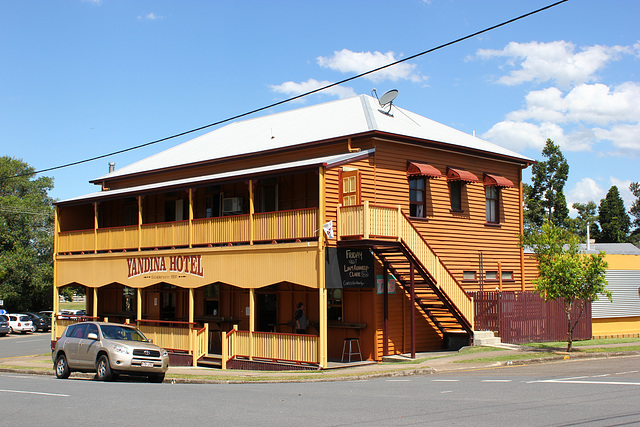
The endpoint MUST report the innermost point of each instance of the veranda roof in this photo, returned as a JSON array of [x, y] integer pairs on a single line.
[[328, 161]]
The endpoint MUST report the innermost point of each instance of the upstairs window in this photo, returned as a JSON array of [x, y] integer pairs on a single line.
[[418, 174], [492, 196], [457, 178], [492, 185], [455, 194], [417, 197]]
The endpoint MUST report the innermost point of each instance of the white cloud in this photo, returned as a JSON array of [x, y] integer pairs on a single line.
[[625, 138], [554, 61], [587, 189], [614, 112], [96, 2], [293, 88], [518, 135], [150, 16], [347, 61], [596, 104]]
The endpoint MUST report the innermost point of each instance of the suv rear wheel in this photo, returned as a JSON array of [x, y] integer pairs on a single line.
[[62, 368]]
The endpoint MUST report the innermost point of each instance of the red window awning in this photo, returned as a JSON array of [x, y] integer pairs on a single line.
[[422, 169], [454, 174], [497, 180]]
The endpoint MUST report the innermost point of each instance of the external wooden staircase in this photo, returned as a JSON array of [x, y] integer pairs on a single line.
[[398, 260], [400, 247]]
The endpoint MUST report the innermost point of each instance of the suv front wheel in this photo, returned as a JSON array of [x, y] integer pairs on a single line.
[[103, 369]]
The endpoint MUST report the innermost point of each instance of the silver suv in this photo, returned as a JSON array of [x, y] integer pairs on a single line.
[[108, 349]]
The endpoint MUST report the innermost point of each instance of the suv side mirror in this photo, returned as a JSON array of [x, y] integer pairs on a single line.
[[92, 336]]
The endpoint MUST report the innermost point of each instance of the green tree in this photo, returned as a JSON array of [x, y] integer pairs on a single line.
[[587, 215], [26, 237], [544, 198], [614, 220], [566, 273], [635, 212]]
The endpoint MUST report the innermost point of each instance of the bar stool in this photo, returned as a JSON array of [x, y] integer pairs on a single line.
[[351, 342]]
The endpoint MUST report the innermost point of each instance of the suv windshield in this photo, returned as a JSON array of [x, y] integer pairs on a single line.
[[114, 332]]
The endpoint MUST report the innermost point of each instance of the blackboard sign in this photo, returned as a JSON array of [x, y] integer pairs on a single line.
[[349, 268]]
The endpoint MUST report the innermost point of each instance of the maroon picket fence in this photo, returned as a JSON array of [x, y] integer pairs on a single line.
[[521, 317]]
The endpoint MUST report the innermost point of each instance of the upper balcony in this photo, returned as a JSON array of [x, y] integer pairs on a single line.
[[247, 229], [282, 209]]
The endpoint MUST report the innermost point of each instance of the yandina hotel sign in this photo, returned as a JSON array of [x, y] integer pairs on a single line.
[[243, 267], [165, 267]]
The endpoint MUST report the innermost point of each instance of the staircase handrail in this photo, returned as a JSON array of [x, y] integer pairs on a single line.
[[407, 232]]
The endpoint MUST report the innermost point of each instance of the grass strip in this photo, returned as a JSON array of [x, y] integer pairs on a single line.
[[563, 344], [508, 357]]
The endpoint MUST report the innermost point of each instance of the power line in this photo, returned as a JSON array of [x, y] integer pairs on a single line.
[[26, 212], [311, 92]]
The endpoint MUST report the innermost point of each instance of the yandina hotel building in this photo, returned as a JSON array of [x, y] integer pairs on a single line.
[[380, 221]]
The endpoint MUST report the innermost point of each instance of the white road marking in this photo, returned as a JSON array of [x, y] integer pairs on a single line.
[[33, 392], [446, 391], [559, 379], [624, 373], [586, 382]]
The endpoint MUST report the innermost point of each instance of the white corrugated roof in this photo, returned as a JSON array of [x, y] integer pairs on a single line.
[[329, 161], [611, 248], [320, 122]]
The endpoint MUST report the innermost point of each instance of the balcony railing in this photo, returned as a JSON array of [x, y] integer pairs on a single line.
[[260, 227], [270, 346]]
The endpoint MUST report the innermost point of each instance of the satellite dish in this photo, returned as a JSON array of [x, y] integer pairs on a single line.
[[388, 97]]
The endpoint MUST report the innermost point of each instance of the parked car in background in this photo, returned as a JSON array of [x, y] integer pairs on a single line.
[[4, 325], [40, 323], [71, 314], [108, 349], [20, 323]]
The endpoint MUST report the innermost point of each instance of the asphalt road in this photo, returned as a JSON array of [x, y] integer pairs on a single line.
[[592, 392], [12, 345]]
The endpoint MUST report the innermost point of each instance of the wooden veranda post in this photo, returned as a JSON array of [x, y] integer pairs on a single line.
[[322, 290], [385, 328], [252, 320], [413, 312], [139, 225], [252, 211], [190, 219], [95, 227], [138, 304], [191, 305], [94, 311]]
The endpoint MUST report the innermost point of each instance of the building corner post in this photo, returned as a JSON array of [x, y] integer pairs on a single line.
[[56, 297]]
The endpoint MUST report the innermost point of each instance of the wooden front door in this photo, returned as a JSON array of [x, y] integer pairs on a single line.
[[350, 188]]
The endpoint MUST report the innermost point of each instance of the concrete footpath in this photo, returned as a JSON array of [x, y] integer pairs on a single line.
[[393, 366]]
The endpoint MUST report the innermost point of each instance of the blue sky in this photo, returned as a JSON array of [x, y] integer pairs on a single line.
[[82, 78]]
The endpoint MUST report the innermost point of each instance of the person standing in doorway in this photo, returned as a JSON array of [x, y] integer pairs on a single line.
[[301, 319]]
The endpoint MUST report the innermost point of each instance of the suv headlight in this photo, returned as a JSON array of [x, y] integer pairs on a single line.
[[120, 349], [165, 353]]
